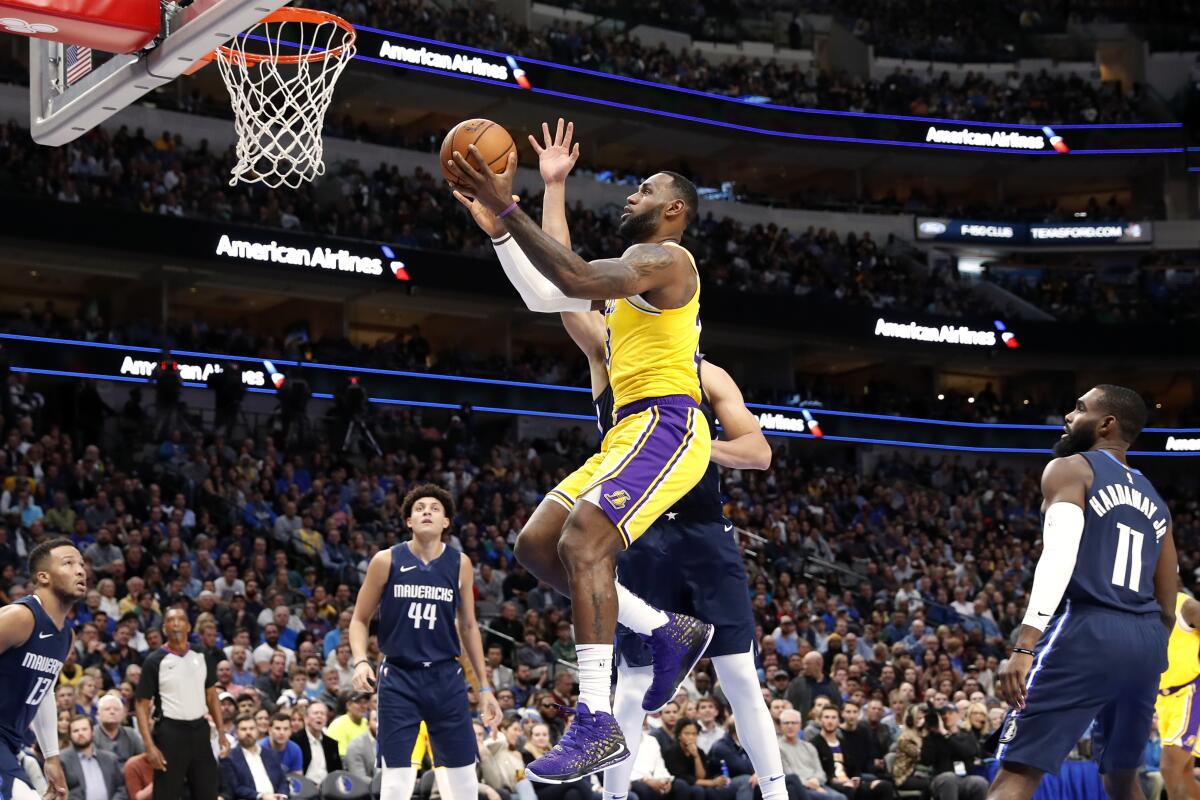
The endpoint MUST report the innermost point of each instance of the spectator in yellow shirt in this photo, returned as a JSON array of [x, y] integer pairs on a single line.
[[352, 724]]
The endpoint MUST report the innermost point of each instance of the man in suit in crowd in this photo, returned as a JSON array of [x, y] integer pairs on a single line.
[[252, 772], [319, 751], [91, 774]]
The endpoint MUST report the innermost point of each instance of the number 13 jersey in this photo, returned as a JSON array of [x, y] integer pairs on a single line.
[[419, 607], [30, 672], [1125, 521]]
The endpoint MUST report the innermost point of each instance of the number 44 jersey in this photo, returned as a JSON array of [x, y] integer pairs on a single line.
[[419, 606], [1125, 521], [30, 672]]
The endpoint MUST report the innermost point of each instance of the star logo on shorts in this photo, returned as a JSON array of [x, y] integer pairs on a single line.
[[671, 515], [617, 499], [1010, 731]]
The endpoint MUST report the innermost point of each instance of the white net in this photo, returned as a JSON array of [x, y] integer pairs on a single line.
[[280, 75]]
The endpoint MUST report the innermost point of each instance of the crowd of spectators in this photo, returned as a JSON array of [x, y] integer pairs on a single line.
[[885, 595], [161, 175], [1110, 289], [1040, 99], [929, 29]]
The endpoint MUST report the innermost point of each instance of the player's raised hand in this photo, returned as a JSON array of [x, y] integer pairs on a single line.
[[1012, 679], [556, 155], [485, 219], [489, 710], [493, 190]]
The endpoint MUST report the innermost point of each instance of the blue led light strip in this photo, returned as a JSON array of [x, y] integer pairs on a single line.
[[589, 418], [817, 411]]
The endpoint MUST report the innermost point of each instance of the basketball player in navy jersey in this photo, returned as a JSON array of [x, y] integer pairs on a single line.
[[34, 642], [1094, 638], [688, 562], [423, 590]]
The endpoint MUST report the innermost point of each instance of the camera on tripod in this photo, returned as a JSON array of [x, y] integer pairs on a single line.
[[350, 408]]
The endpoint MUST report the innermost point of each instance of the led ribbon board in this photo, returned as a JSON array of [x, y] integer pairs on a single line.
[[69, 358], [391, 50]]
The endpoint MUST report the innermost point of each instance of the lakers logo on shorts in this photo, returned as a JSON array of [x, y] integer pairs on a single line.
[[617, 499], [1010, 731]]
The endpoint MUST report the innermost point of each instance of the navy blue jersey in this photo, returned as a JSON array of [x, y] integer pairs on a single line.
[[703, 501], [419, 606], [30, 672], [1125, 521]]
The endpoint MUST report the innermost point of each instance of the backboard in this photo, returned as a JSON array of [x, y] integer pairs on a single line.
[[61, 110]]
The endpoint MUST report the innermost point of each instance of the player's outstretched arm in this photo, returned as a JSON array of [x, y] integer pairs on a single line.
[[643, 268], [1166, 579], [365, 607], [556, 159], [472, 642], [744, 446], [537, 292], [1064, 490]]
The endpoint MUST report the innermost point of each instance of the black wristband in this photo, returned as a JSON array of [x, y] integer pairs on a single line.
[[366, 661], [1024, 651]]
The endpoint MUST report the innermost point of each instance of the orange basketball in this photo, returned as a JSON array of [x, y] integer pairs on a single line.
[[493, 142]]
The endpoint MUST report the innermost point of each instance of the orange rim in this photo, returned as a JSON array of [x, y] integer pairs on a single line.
[[289, 14]]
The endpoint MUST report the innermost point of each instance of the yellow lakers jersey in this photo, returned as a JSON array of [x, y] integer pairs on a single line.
[[653, 352], [1183, 651]]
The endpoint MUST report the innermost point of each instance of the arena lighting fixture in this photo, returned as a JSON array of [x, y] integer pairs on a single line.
[[941, 397]]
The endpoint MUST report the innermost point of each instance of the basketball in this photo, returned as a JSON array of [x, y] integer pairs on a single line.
[[493, 141]]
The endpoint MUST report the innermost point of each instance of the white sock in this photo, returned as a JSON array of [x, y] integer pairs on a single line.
[[632, 683], [595, 675], [636, 614], [397, 783], [458, 783], [739, 680]]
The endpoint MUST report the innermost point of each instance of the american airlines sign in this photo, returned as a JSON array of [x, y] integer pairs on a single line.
[[1007, 140], [936, 334]]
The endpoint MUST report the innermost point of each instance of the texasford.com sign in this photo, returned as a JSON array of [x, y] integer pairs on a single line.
[[1038, 234]]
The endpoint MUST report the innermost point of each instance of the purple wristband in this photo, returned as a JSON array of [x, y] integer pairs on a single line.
[[507, 211]]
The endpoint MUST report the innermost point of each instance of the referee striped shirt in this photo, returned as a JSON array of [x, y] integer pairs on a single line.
[[176, 683]]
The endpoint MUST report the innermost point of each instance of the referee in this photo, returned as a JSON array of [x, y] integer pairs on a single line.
[[179, 683]]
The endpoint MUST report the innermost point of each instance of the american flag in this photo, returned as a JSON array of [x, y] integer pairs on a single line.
[[79, 62]]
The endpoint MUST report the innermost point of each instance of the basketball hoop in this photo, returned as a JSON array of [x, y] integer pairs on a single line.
[[280, 98]]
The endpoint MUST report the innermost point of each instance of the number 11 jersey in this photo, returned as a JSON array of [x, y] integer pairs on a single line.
[[1125, 521], [419, 607]]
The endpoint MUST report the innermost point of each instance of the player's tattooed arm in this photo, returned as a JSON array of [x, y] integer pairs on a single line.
[[1166, 581], [643, 268]]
